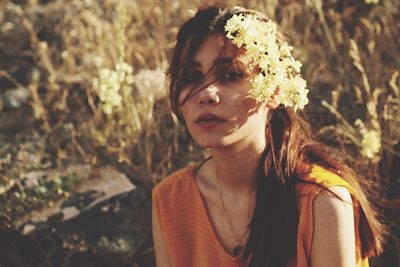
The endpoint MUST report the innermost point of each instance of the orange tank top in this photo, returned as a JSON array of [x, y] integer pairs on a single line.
[[189, 234]]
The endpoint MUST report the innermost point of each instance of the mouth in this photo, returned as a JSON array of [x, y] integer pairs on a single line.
[[209, 120]]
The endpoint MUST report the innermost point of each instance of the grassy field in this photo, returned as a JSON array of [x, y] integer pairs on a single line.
[[89, 76]]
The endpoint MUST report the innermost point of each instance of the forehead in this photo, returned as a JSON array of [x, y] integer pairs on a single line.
[[216, 47]]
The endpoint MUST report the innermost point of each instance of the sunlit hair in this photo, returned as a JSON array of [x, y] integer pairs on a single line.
[[290, 147]]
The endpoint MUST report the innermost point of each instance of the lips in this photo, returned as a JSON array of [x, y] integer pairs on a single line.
[[209, 120]]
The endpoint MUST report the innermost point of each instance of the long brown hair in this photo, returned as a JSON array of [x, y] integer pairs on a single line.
[[290, 145]]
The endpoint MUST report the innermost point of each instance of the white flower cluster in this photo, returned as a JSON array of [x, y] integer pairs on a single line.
[[112, 83], [374, 2], [371, 140], [279, 71]]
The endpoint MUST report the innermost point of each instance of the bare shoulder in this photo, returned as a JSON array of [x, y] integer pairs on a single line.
[[327, 199], [333, 212], [334, 236]]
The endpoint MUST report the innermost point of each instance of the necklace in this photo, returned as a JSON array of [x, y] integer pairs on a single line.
[[238, 245]]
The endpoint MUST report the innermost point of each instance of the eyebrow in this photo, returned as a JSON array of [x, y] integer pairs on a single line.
[[218, 61]]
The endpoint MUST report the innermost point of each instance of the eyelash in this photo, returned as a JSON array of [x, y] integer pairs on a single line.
[[191, 77], [224, 76], [231, 76]]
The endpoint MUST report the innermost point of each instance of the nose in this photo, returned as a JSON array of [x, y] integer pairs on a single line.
[[209, 95]]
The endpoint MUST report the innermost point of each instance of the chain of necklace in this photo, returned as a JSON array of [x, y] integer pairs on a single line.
[[239, 241]]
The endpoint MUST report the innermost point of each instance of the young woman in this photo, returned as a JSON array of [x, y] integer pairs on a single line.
[[269, 195]]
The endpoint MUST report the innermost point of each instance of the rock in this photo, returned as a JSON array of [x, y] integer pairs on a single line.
[[109, 234], [105, 222], [95, 185]]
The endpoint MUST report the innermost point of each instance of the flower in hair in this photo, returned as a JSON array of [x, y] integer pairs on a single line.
[[279, 72]]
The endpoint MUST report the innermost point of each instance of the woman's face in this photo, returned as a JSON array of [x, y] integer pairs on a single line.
[[223, 113]]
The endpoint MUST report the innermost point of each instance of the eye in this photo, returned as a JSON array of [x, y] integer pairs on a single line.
[[231, 76], [191, 77]]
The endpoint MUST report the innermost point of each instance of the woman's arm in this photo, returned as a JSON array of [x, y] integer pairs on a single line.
[[162, 257], [333, 243]]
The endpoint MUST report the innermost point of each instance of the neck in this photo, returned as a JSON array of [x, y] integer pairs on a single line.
[[237, 166]]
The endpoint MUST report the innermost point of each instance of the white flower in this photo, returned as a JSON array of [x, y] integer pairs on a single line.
[[111, 83], [371, 144], [294, 93], [262, 87], [285, 50], [371, 140], [372, 2], [279, 70]]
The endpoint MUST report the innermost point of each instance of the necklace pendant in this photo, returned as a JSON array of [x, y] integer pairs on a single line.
[[237, 249]]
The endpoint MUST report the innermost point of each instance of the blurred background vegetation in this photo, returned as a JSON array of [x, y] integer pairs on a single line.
[[83, 81]]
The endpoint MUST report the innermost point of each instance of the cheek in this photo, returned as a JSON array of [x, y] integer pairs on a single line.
[[186, 113], [182, 109], [253, 112], [248, 105], [182, 95]]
